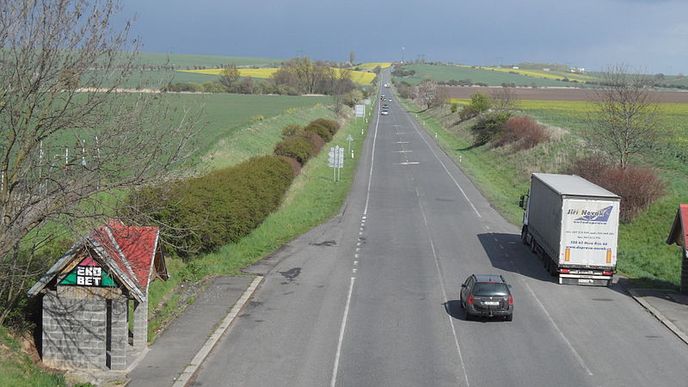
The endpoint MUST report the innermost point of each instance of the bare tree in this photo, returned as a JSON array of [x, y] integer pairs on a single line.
[[626, 117], [504, 99], [69, 144], [306, 76], [426, 92]]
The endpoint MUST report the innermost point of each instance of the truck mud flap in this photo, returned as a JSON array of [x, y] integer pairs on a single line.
[[583, 281]]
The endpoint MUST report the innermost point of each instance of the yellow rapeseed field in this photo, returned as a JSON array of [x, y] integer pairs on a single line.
[[360, 77]]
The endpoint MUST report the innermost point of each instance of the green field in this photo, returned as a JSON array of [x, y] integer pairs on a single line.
[[225, 114], [156, 78], [475, 74], [502, 176]]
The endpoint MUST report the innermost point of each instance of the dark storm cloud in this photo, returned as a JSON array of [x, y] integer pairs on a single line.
[[645, 34]]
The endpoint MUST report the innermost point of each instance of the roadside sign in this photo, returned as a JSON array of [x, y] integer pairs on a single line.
[[335, 160], [360, 111], [340, 157], [331, 158]]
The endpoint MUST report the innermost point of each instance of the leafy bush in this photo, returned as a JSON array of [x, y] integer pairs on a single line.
[[331, 125], [638, 187], [489, 127], [467, 112], [480, 102], [454, 107], [524, 131], [201, 214], [294, 164], [297, 147], [320, 130], [183, 86], [213, 87], [316, 141]]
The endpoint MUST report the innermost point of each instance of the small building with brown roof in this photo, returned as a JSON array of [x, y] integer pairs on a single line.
[[86, 297]]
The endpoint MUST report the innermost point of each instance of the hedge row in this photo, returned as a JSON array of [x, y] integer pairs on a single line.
[[302, 143], [200, 214]]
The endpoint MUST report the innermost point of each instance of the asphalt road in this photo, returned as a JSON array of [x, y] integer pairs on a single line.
[[371, 298]]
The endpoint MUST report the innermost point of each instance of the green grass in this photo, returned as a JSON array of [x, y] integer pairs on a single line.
[[17, 369], [476, 74], [312, 199], [259, 137], [226, 114], [503, 175]]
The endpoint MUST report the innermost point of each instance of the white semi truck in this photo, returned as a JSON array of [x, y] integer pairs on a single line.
[[572, 225]]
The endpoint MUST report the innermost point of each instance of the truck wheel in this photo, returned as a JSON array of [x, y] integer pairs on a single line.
[[524, 235]]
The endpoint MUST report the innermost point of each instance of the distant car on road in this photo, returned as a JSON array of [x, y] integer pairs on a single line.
[[384, 112], [487, 295]]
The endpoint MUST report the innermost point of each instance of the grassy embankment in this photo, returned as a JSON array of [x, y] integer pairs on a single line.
[[18, 369], [503, 175], [312, 199]]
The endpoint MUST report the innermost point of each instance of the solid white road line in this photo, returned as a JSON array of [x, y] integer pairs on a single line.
[[335, 369], [556, 327], [413, 122]]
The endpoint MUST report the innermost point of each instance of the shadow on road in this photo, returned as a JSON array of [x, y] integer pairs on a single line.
[[506, 252], [454, 309]]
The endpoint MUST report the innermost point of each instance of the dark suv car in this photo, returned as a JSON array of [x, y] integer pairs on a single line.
[[487, 295]]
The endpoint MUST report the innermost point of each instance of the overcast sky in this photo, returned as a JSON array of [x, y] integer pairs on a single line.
[[649, 35]]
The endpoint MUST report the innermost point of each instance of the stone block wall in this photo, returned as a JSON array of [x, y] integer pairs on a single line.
[[140, 325], [83, 330], [119, 334], [74, 331]]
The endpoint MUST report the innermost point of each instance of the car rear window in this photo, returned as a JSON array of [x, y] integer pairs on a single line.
[[490, 289]]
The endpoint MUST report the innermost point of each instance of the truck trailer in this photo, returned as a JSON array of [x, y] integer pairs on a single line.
[[572, 225]]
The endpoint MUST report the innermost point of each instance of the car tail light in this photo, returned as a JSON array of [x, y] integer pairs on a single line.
[[564, 271], [607, 272], [511, 299], [469, 301]]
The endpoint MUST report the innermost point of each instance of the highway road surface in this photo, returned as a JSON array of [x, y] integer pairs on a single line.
[[371, 298]]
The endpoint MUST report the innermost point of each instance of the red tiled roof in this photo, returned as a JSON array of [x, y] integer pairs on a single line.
[[132, 248], [129, 251]]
